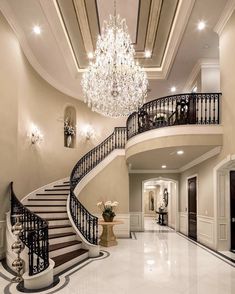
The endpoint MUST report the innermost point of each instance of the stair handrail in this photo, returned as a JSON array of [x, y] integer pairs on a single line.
[[85, 222], [34, 234], [180, 109]]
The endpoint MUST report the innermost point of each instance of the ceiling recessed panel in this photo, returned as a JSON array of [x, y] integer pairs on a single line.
[[149, 24], [126, 9]]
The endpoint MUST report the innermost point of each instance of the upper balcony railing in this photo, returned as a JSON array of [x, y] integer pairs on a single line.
[[182, 109]]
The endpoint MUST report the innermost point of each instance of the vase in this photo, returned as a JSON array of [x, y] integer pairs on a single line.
[[107, 218], [69, 140]]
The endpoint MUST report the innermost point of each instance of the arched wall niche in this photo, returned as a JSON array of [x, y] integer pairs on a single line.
[[70, 121]]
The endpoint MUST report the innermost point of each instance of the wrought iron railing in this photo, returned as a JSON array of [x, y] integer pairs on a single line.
[[34, 235], [173, 110], [87, 223]]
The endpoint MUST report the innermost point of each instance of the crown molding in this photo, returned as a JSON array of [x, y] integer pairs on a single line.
[[225, 16], [201, 63]]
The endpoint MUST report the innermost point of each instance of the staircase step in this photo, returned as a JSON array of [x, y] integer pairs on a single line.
[[55, 214], [66, 182], [69, 259], [52, 194], [53, 218], [61, 235], [49, 212], [39, 208], [60, 228], [63, 245], [52, 197], [55, 189], [46, 199], [45, 205], [57, 221], [63, 185]]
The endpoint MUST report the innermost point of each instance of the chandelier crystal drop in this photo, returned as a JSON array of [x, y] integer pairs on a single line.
[[114, 85]]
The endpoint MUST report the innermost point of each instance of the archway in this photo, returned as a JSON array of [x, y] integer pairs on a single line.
[[160, 193]]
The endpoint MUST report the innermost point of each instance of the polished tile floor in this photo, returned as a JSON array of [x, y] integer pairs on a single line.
[[158, 261]]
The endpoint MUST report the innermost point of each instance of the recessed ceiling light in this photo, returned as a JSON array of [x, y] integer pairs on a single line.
[[173, 89], [90, 55], [180, 152], [201, 25], [37, 30], [147, 54], [163, 166]]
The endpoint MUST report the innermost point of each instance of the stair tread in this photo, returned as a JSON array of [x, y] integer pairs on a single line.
[[53, 236], [45, 205], [49, 211], [66, 182], [55, 189], [62, 185], [46, 199], [61, 259], [54, 247], [50, 194], [59, 226], [54, 219]]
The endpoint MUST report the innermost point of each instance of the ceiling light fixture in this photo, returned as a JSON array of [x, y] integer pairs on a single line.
[[180, 152], [147, 54], [114, 85], [163, 166], [37, 30], [90, 55], [201, 25], [173, 89]]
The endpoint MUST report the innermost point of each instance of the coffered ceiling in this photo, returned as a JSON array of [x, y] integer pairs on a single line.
[[69, 29], [149, 23]]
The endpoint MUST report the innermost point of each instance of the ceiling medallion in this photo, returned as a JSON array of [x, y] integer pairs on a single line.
[[114, 85]]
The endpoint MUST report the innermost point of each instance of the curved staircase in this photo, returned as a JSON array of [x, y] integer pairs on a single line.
[[58, 230], [64, 247]]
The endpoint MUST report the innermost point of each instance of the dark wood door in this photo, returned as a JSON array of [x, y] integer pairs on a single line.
[[232, 209], [192, 208]]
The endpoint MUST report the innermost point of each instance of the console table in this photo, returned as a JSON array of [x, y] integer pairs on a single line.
[[107, 237], [160, 220]]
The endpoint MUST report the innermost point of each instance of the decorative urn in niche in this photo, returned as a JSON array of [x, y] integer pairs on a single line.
[[108, 210], [69, 131], [69, 140]]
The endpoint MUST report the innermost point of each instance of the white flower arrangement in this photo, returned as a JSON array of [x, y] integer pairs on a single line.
[[69, 129], [108, 207]]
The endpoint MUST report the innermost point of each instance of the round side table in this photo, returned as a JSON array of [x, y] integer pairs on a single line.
[[107, 237]]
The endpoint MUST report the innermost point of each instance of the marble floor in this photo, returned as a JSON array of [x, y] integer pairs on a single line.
[[157, 261]]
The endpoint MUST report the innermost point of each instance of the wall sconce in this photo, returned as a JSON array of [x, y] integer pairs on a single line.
[[88, 132], [36, 136]]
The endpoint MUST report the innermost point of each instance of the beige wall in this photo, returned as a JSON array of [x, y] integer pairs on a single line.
[[112, 183], [26, 98], [205, 170], [136, 187]]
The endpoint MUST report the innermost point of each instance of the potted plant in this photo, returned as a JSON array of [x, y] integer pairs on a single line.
[[107, 209]]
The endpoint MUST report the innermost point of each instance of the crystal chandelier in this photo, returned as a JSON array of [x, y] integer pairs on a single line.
[[114, 85]]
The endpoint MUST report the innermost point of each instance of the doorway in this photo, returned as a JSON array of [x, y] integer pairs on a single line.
[[232, 209], [159, 194], [192, 208]]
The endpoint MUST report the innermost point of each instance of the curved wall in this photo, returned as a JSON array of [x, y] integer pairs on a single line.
[[25, 98]]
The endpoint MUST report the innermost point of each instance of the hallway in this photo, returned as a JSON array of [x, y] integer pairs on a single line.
[[151, 262]]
